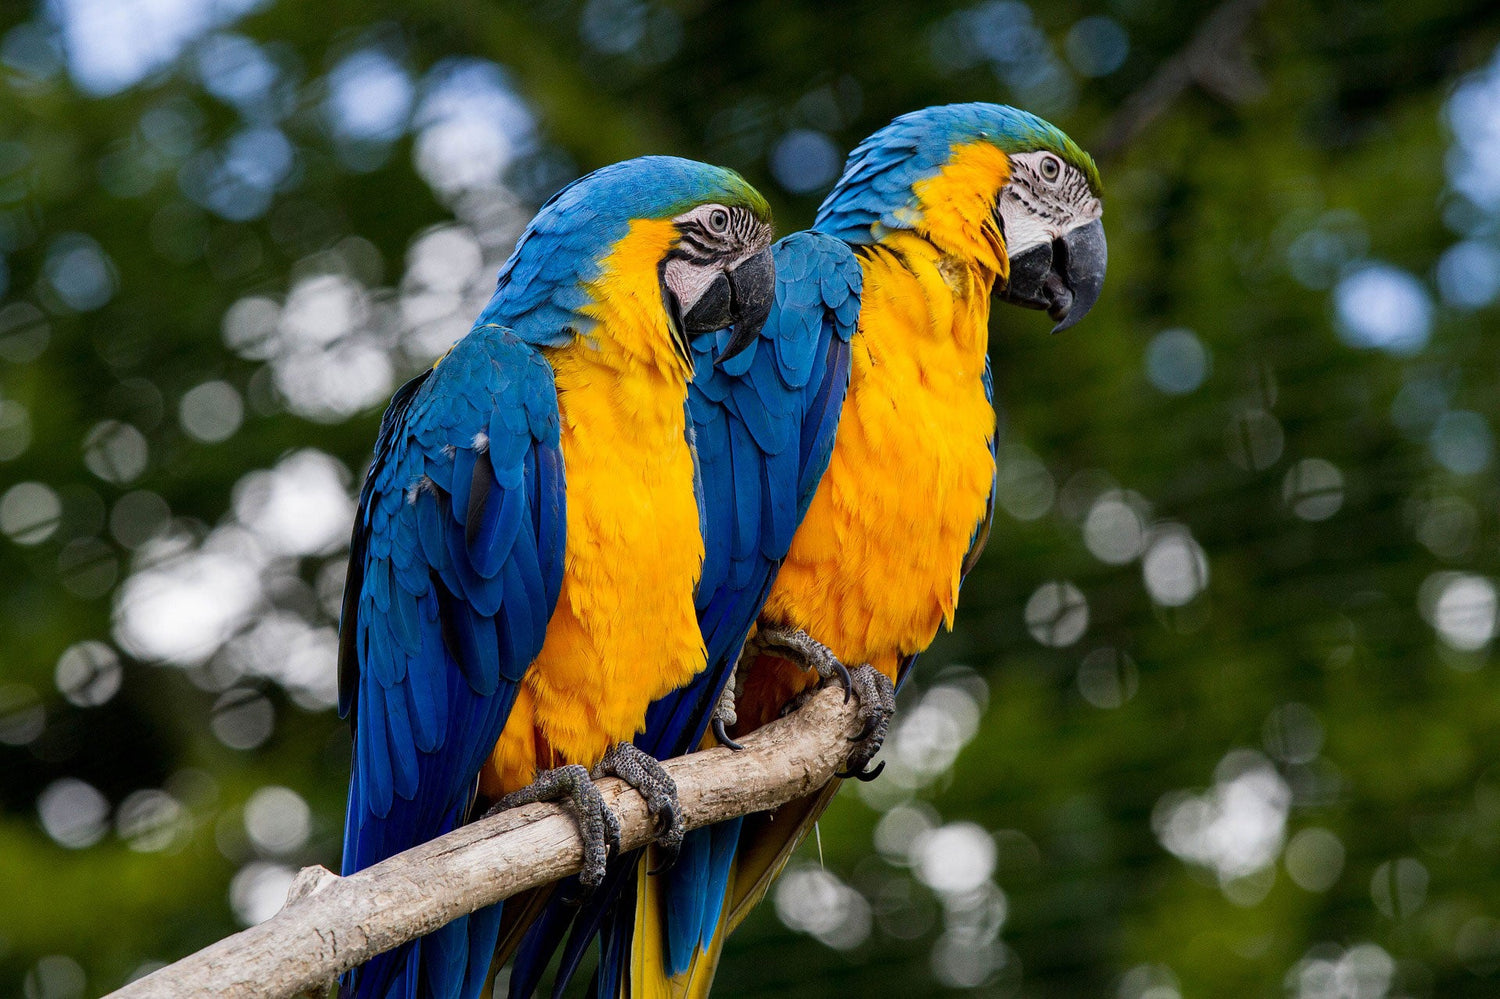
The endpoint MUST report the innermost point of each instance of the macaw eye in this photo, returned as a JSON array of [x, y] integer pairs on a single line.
[[1051, 168], [718, 221]]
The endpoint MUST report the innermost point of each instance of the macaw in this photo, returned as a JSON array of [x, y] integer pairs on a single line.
[[528, 540], [942, 208]]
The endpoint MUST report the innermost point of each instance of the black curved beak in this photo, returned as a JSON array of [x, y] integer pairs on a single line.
[[740, 298], [1063, 277]]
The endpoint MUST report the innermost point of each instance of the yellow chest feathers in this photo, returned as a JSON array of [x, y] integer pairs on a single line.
[[874, 568], [624, 631]]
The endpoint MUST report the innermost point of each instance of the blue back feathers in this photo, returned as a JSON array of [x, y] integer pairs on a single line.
[[875, 189], [455, 570]]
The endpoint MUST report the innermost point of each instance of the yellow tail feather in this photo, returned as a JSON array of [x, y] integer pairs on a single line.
[[648, 966], [767, 842]]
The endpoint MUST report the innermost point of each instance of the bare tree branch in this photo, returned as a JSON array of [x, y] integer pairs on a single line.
[[330, 924], [1215, 58]]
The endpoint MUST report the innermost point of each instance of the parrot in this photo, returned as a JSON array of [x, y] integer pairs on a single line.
[[943, 209], [528, 537]]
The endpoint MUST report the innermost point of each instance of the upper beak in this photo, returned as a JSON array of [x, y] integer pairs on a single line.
[[740, 298], [1064, 276]]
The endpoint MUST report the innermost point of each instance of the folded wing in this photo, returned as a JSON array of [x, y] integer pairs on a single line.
[[455, 567]]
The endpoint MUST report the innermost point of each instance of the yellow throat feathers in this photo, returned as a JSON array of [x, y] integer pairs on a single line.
[[626, 298], [958, 205], [624, 631]]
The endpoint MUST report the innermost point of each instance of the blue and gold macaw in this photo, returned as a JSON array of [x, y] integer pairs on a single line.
[[528, 542], [941, 209]]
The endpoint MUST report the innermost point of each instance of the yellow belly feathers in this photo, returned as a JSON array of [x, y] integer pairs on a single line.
[[624, 632], [874, 568]]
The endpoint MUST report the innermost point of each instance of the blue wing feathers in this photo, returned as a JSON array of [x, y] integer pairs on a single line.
[[745, 458], [461, 481], [445, 959], [473, 645], [551, 515], [428, 710], [685, 897], [521, 628], [402, 743], [821, 424], [781, 514], [726, 838], [455, 569]]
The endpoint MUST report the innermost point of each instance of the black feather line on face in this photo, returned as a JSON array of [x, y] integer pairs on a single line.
[[674, 311], [703, 248], [697, 246]]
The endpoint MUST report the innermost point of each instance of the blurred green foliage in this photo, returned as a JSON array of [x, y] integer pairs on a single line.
[[1218, 715]]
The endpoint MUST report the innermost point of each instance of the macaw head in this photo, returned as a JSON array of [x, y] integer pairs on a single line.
[[671, 248], [986, 183]]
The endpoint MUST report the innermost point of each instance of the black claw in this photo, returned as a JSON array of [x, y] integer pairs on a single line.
[[877, 701], [723, 736], [845, 679], [663, 819], [864, 774]]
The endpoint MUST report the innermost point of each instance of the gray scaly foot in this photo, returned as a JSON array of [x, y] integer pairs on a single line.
[[724, 713], [799, 647], [596, 823], [877, 696], [645, 774]]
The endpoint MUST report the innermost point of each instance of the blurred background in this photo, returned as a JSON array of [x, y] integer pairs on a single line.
[[1221, 713]]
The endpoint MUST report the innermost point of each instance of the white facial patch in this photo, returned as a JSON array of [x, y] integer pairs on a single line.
[[688, 281], [1035, 210], [716, 239], [1023, 228]]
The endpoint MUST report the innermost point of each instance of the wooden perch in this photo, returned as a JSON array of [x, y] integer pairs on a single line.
[[330, 924]]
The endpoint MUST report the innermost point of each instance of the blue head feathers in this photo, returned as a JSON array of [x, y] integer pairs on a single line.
[[876, 186], [541, 286]]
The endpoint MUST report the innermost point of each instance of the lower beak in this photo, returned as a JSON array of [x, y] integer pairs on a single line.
[[740, 298], [1064, 276]]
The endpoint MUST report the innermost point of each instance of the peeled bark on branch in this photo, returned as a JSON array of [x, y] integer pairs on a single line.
[[330, 924]]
